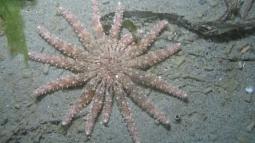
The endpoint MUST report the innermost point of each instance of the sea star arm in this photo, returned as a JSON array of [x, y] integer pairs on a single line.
[[97, 26], [85, 98], [152, 36], [62, 46], [65, 82], [142, 101], [126, 40], [153, 57], [145, 43], [81, 32], [96, 106], [123, 43], [108, 100], [149, 79], [66, 63], [123, 106], [115, 30]]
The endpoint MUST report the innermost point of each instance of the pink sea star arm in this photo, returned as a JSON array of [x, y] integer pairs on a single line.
[[96, 106], [153, 57], [149, 79], [65, 82], [62, 46], [81, 32], [84, 36], [123, 43], [97, 26], [108, 100], [114, 34], [124, 109], [85, 98], [126, 40], [145, 43], [67, 63], [142, 101], [152, 35]]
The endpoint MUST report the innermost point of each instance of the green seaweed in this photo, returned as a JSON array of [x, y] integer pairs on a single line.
[[10, 15], [129, 25]]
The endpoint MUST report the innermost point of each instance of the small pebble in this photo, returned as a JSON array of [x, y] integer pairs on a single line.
[[46, 69], [17, 106], [29, 104], [207, 90], [245, 49], [250, 127], [249, 89], [180, 61], [240, 65], [208, 68], [234, 57]]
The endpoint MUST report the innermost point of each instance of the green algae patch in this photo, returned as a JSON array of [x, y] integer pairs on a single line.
[[129, 25], [11, 17]]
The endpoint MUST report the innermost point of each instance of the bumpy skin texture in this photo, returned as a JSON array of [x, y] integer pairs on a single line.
[[107, 68]]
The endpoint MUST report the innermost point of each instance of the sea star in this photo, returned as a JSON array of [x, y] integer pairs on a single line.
[[107, 69]]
